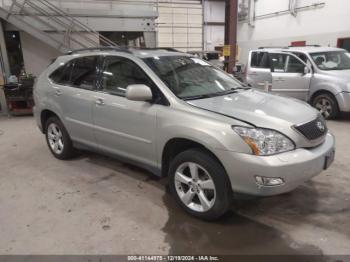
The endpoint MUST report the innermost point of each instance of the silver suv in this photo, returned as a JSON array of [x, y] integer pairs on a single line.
[[318, 75], [177, 116]]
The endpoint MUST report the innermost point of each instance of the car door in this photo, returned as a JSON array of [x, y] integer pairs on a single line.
[[289, 77], [74, 91], [259, 70], [124, 127]]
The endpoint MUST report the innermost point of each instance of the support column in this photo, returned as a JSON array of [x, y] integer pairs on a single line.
[[150, 39], [231, 7], [4, 69]]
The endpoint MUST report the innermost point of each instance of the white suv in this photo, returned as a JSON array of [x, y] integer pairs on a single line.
[[318, 75]]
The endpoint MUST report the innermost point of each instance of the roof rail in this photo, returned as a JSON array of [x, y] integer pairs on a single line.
[[170, 49], [99, 48], [273, 47], [306, 46]]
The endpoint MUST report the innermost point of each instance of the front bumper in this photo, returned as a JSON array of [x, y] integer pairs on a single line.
[[343, 99], [294, 167]]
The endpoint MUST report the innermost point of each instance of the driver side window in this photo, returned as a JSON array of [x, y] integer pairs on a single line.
[[285, 63], [119, 72]]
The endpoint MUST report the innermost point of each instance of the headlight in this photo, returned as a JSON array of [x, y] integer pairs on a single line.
[[264, 142]]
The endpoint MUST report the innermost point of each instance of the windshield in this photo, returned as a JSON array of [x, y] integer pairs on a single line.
[[338, 60], [191, 77]]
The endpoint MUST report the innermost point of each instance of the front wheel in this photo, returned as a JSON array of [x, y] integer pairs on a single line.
[[327, 105], [200, 184]]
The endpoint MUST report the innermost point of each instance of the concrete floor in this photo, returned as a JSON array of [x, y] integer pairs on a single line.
[[97, 205]]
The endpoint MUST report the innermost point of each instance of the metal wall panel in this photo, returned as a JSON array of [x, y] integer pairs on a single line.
[[180, 25]]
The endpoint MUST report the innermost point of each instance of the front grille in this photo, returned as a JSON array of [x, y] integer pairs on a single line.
[[314, 129]]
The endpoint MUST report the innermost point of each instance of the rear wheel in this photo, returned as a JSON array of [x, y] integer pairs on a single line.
[[58, 139], [327, 105], [200, 184]]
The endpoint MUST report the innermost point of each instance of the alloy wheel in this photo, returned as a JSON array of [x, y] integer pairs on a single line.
[[325, 107], [195, 187], [55, 138]]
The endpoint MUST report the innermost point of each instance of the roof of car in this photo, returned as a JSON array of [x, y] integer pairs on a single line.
[[139, 52], [307, 49]]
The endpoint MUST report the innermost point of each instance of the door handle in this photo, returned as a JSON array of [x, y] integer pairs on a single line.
[[99, 102], [280, 80]]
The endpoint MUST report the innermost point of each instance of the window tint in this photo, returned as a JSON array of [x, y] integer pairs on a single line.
[[338, 60], [301, 56], [191, 78], [284, 63], [294, 65], [260, 60], [62, 74], [119, 72], [84, 72], [279, 62]]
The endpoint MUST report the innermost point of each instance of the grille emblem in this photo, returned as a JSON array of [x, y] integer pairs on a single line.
[[320, 126]]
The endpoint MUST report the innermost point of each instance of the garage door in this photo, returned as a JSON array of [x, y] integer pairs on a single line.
[[179, 25]]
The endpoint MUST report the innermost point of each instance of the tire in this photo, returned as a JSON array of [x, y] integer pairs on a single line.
[[58, 139], [186, 190], [327, 105]]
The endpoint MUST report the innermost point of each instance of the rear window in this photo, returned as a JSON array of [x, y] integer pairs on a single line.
[[80, 72], [260, 60]]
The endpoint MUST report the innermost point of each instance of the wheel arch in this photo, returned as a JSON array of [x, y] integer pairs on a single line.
[[44, 116], [320, 92], [175, 146]]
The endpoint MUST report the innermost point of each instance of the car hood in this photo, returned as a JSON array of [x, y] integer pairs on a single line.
[[260, 109], [342, 75]]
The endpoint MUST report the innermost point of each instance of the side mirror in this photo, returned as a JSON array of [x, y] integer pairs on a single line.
[[138, 93], [306, 70]]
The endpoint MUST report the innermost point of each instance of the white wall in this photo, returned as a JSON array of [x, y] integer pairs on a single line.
[[321, 26]]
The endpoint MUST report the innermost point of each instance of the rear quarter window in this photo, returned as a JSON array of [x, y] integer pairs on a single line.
[[62, 74]]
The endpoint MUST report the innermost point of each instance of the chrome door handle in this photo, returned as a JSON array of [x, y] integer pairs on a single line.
[[58, 92], [280, 80], [99, 102]]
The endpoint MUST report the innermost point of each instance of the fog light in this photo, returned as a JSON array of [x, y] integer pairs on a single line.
[[269, 181]]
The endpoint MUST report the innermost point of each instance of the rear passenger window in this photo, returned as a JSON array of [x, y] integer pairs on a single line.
[[119, 72], [260, 60], [62, 74], [84, 72]]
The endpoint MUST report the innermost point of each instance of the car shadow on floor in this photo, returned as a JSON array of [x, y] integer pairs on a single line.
[[235, 233]]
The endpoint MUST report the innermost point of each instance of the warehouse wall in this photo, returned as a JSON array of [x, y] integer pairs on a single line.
[[214, 19], [125, 15], [36, 54], [315, 26], [179, 24]]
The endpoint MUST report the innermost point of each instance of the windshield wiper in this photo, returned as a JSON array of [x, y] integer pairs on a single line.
[[196, 97], [226, 92]]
